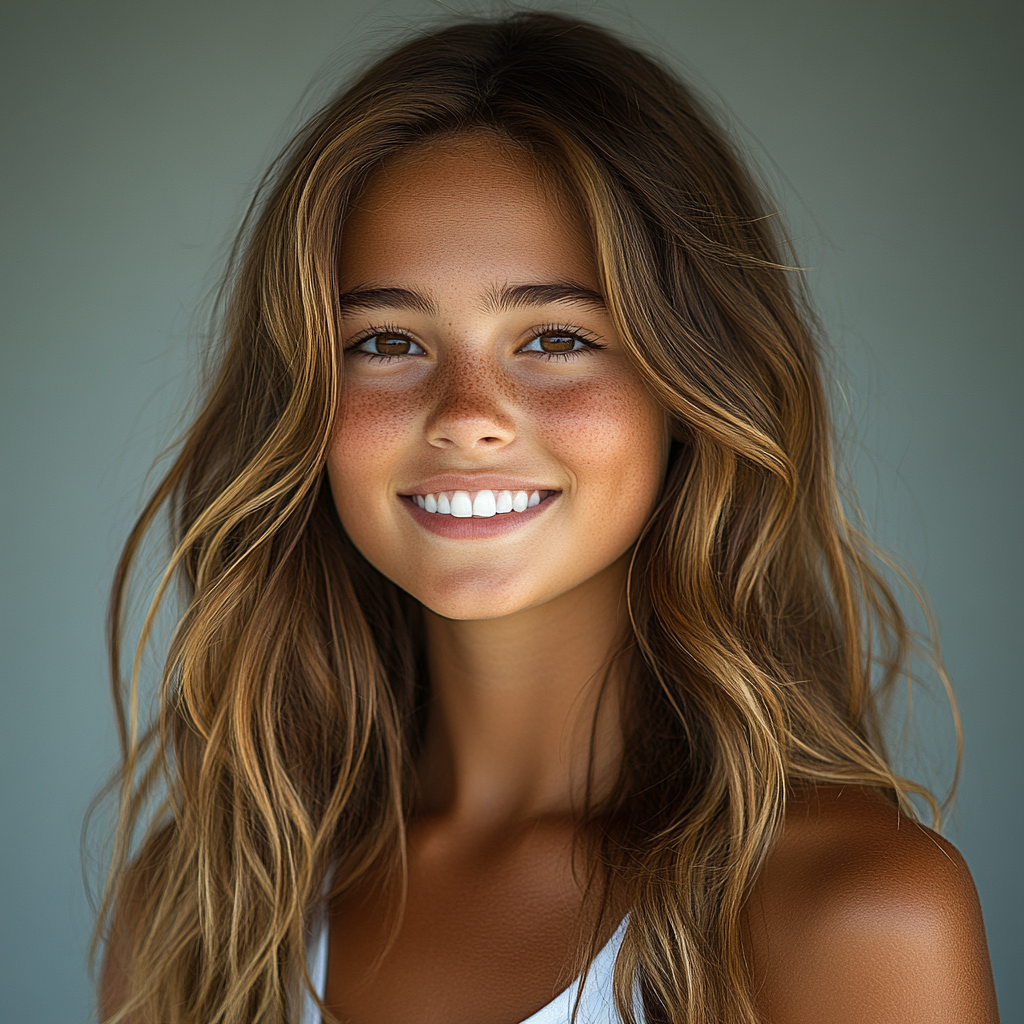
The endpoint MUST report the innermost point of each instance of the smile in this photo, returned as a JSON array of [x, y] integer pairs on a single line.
[[477, 515], [479, 504]]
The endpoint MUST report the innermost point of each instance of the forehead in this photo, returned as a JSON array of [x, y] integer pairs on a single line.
[[463, 211]]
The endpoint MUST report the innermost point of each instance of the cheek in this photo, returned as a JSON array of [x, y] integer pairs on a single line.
[[372, 427], [608, 432]]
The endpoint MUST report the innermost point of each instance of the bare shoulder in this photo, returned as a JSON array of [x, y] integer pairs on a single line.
[[862, 914]]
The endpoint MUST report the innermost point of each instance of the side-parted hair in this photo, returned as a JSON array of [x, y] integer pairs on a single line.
[[291, 703]]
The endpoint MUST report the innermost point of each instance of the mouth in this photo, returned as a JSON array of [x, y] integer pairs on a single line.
[[475, 515], [483, 504]]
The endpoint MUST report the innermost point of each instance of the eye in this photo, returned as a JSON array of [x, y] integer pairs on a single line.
[[387, 344], [555, 341]]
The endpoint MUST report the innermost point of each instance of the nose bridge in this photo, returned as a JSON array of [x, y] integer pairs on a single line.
[[471, 407]]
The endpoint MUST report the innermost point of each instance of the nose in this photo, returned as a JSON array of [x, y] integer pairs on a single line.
[[469, 412]]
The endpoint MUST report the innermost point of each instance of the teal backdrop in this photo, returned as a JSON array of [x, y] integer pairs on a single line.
[[134, 133]]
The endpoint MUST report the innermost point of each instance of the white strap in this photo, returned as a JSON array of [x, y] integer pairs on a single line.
[[596, 1007]]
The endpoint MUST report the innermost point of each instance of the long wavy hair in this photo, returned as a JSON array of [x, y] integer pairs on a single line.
[[289, 716]]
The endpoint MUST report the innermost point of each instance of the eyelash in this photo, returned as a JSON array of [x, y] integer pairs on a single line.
[[590, 343], [374, 332]]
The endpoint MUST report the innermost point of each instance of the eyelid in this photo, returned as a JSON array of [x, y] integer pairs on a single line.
[[378, 329], [589, 339]]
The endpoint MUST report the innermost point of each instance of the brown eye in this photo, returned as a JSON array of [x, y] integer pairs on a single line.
[[389, 345], [553, 341]]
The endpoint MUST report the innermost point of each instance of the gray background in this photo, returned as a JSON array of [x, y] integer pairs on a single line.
[[133, 134]]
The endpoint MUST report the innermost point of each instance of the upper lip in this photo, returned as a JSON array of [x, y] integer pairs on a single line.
[[480, 482]]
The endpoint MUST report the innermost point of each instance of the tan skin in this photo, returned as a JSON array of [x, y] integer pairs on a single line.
[[518, 625], [859, 915]]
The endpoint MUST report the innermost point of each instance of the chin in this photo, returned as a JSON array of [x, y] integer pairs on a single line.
[[485, 590], [465, 603]]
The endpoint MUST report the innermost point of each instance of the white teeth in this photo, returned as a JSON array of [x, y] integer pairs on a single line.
[[484, 505], [462, 507]]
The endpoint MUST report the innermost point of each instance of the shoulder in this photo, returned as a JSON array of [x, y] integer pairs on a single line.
[[862, 914]]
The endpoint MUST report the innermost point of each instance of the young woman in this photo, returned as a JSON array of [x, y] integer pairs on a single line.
[[527, 665]]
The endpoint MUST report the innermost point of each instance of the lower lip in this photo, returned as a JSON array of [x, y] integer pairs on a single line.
[[475, 527]]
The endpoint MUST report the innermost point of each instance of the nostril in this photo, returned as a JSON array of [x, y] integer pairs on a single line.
[[468, 432]]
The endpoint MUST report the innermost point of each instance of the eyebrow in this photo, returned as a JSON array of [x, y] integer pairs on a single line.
[[385, 298], [516, 296], [498, 300]]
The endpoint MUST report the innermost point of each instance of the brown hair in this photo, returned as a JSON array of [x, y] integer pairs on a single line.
[[763, 629]]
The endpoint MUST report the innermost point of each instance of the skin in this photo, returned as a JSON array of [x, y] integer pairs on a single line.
[[858, 916], [861, 916], [519, 626]]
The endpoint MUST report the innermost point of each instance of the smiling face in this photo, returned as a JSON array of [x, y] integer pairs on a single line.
[[495, 447]]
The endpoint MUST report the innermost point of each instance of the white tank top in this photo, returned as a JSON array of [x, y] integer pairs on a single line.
[[596, 1007]]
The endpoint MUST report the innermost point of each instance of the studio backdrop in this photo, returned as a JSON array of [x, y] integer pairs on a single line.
[[133, 137]]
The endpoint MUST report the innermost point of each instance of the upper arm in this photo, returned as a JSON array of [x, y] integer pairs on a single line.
[[867, 917]]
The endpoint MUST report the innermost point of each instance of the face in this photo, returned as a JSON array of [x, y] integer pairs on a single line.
[[495, 447]]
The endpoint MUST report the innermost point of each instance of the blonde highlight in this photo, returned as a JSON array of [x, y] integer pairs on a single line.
[[764, 632]]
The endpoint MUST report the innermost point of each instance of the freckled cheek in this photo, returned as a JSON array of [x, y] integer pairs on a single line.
[[374, 427], [611, 437]]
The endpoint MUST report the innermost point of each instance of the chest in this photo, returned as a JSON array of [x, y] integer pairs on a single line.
[[490, 932]]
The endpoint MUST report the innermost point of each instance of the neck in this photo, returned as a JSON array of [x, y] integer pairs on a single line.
[[516, 702]]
